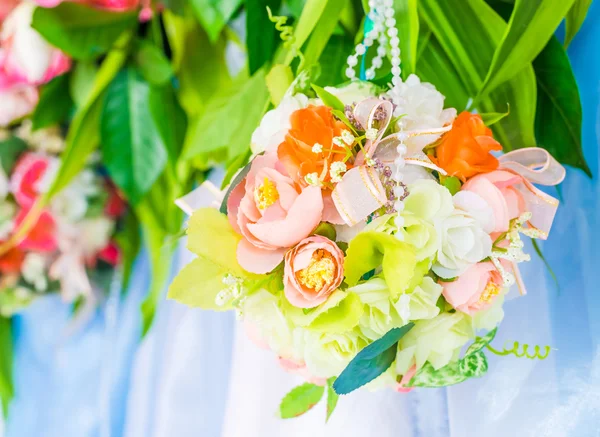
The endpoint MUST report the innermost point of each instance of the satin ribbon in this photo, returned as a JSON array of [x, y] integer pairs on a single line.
[[360, 192], [535, 166]]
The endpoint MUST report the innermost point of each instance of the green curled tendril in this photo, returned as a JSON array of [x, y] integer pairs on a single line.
[[537, 354], [286, 33]]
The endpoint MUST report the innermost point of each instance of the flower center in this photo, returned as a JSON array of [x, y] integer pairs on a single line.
[[491, 291], [266, 194], [319, 273]]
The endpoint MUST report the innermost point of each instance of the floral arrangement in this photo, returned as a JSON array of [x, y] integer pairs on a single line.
[[371, 238], [70, 248]]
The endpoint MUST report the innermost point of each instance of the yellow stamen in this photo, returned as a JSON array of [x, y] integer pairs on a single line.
[[491, 291], [266, 194], [319, 273]]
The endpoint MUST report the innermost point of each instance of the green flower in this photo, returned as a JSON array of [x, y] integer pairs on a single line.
[[327, 354]]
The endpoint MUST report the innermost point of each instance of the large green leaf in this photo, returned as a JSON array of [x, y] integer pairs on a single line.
[[229, 120], [454, 22], [214, 14], [170, 119], [81, 31], [370, 362], [300, 400], [407, 21], [558, 117], [152, 63], [531, 25], [333, 61], [311, 14], [6, 364], [132, 147], [575, 18], [55, 103], [261, 36], [10, 150], [322, 31]]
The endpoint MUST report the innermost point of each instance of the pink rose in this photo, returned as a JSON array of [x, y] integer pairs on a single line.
[[498, 190], [272, 213], [41, 237], [25, 57], [313, 270], [16, 102], [27, 173], [474, 290]]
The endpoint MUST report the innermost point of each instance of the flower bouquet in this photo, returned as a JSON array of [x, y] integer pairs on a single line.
[[373, 236], [70, 248]]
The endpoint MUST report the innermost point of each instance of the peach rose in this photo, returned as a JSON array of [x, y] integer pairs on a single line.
[[498, 190], [314, 125], [465, 150], [313, 270], [474, 290], [272, 213]]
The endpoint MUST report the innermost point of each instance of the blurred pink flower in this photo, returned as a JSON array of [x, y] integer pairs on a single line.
[[16, 102]]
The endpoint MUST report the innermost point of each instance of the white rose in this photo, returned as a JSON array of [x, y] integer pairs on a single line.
[[327, 354], [423, 108], [354, 92], [463, 243], [276, 123], [16, 102], [428, 200]]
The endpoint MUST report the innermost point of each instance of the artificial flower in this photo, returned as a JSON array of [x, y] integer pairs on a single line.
[[275, 124], [33, 271], [28, 172], [429, 201], [463, 243], [437, 341], [313, 270], [16, 101], [6, 7], [422, 108], [299, 368], [272, 213], [474, 290], [465, 151], [25, 57], [11, 261], [42, 236], [310, 126], [327, 354], [498, 190]]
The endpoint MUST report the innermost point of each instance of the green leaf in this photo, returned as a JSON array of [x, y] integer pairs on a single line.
[[300, 400], [278, 81], [558, 116], [453, 184], [229, 120], [575, 18], [454, 22], [6, 364], [169, 118], [214, 14], [326, 230], [261, 36], [82, 81], [54, 105], [481, 342], [369, 250], [152, 64], [322, 31], [81, 31], [311, 14], [210, 235], [490, 118], [132, 148], [332, 398], [333, 61], [407, 19], [531, 25], [10, 150], [370, 362], [129, 240], [236, 181], [328, 99], [83, 136]]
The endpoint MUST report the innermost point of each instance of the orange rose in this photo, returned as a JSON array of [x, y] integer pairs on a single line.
[[465, 151], [308, 147]]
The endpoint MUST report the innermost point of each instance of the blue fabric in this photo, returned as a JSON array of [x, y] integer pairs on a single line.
[[78, 386]]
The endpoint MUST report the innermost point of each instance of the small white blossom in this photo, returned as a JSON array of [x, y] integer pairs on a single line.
[[33, 270], [338, 168], [371, 134], [347, 137], [313, 179], [371, 162], [317, 148], [338, 141]]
